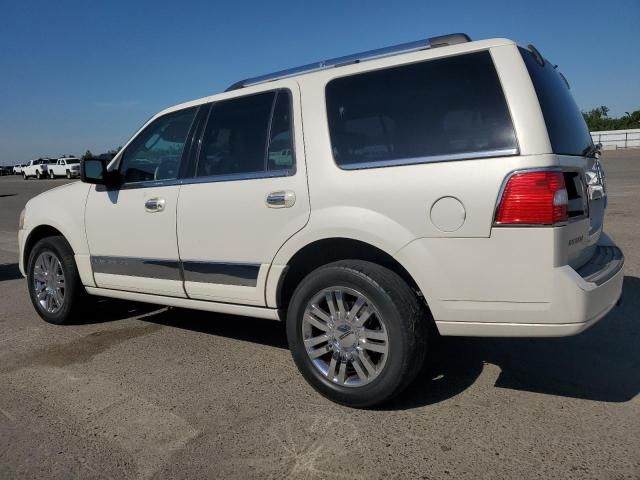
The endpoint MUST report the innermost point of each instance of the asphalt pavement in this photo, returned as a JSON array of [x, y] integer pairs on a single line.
[[140, 391]]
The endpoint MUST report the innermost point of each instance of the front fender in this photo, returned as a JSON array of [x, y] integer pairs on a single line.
[[61, 208]]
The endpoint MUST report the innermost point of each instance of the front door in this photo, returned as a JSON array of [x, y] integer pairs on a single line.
[[247, 197], [132, 230]]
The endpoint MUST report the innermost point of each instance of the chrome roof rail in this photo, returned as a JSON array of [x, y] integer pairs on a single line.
[[433, 42]]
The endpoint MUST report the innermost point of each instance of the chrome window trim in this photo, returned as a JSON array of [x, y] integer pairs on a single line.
[[505, 152], [210, 179]]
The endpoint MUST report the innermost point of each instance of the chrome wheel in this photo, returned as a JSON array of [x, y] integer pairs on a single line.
[[345, 336], [49, 282]]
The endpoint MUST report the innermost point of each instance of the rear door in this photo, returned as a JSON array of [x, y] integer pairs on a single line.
[[571, 142], [248, 195]]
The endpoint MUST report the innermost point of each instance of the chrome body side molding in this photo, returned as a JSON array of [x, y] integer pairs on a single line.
[[224, 273]]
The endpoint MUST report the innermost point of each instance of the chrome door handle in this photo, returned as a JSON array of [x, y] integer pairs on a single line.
[[281, 199], [154, 205]]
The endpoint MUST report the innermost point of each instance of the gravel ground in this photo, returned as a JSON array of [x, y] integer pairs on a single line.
[[140, 391]]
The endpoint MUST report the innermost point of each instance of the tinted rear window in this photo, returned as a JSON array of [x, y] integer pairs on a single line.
[[567, 129], [436, 110]]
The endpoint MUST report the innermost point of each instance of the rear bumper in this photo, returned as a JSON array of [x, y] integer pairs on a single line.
[[577, 300]]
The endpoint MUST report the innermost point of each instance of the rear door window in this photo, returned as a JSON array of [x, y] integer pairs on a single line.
[[444, 109], [249, 135], [568, 132]]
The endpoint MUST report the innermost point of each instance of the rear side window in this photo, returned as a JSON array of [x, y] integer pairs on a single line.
[[445, 109], [248, 135], [567, 129]]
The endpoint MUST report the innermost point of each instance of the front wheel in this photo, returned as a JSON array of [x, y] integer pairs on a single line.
[[68, 174], [24, 175], [38, 176], [357, 332], [54, 284]]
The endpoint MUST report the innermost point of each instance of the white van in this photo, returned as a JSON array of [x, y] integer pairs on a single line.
[[369, 201]]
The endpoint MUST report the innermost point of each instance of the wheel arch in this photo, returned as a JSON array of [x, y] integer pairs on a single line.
[[37, 234], [326, 250]]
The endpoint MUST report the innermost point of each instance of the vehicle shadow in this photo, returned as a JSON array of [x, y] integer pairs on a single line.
[[9, 271], [601, 364], [255, 330], [103, 310]]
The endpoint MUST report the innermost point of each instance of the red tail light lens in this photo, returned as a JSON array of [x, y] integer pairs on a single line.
[[533, 198]]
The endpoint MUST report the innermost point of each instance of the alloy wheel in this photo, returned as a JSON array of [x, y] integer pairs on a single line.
[[345, 336], [49, 282]]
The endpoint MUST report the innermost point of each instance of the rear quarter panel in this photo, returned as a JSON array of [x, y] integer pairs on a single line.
[[390, 207]]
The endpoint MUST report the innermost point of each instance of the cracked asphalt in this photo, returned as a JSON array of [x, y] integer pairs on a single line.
[[140, 391]]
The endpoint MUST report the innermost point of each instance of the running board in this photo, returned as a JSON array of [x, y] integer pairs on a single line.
[[217, 307]]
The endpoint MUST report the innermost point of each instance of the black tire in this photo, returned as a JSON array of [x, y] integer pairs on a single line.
[[38, 176], [24, 175], [68, 174], [74, 293], [405, 319]]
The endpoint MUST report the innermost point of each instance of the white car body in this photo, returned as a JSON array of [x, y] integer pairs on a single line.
[[435, 219], [65, 167]]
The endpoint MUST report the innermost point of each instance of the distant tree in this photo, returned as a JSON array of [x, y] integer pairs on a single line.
[[598, 119], [87, 155]]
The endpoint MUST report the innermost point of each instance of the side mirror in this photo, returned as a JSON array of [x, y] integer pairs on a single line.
[[94, 170]]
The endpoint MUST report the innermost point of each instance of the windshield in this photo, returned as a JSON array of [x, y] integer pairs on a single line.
[[567, 129]]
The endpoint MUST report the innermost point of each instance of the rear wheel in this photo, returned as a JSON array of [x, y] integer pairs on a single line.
[[51, 175], [54, 284], [24, 175], [38, 176], [357, 332]]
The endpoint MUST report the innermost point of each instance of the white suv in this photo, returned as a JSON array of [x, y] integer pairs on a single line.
[[369, 201]]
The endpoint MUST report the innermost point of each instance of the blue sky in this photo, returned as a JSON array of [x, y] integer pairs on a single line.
[[78, 75]]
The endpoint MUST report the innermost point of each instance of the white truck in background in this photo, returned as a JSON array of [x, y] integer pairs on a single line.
[[65, 167], [37, 168]]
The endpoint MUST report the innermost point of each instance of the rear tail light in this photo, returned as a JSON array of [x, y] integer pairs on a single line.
[[533, 198]]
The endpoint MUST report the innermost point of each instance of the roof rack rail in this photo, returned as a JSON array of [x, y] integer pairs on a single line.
[[432, 42]]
